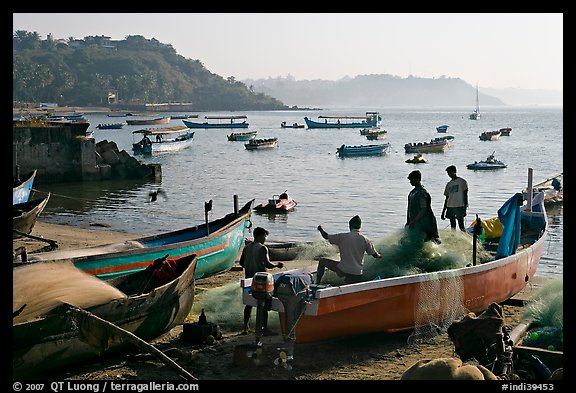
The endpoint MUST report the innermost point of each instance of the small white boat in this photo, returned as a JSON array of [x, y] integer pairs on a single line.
[[489, 163]]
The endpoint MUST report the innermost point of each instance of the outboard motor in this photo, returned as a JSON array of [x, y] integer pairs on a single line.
[[292, 290], [262, 289]]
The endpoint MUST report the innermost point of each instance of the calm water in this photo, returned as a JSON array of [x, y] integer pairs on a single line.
[[329, 190]]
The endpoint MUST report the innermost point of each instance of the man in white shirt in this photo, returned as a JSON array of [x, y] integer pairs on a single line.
[[456, 201], [352, 246]]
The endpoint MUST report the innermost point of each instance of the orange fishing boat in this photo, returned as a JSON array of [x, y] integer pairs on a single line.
[[392, 304]]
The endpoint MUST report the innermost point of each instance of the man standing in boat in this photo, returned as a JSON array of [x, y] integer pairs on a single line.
[[456, 201], [420, 216], [254, 259], [352, 246]]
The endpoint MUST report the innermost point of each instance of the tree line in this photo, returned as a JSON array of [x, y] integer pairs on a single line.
[[81, 72]]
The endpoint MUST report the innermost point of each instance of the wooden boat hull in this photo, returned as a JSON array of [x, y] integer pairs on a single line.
[[53, 341], [436, 147], [166, 145], [362, 150], [490, 136], [144, 122], [242, 136], [24, 215], [191, 124], [317, 124], [483, 166], [115, 126], [292, 126], [21, 191], [217, 251], [284, 206], [261, 144], [551, 196], [390, 304]]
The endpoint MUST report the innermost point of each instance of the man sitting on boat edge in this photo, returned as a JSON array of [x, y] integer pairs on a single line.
[[352, 246]]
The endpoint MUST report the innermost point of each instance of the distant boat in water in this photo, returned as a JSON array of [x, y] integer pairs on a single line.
[[371, 119], [144, 122], [476, 114], [221, 122]]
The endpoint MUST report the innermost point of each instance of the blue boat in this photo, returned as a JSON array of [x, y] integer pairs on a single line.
[[442, 128], [217, 243], [371, 119], [222, 122], [21, 189], [242, 136], [362, 150]]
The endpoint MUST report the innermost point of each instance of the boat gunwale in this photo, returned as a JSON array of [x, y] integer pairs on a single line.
[[243, 214]]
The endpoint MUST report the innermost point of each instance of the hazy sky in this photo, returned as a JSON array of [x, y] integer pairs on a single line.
[[491, 49]]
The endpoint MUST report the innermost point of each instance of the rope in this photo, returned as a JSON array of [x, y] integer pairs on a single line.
[[62, 196]]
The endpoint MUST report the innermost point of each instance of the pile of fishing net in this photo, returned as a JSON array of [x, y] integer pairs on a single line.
[[41, 287]]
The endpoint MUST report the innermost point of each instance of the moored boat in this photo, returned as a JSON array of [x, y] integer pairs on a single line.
[[293, 125], [434, 146], [376, 135], [25, 214], [221, 122], [401, 303], [489, 163], [259, 144], [21, 189], [505, 131], [144, 122], [217, 243], [153, 304], [110, 126], [371, 119], [476, 114], [242, 136], [160, 140], [490, 135], [442, 128], [417, 159], [553, 189], [282, 203], [362, 150]]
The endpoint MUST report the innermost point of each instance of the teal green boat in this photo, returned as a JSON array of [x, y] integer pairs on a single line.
[[217, 244]]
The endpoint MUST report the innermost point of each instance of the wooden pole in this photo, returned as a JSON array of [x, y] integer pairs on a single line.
[[133, 339], [530, 191]]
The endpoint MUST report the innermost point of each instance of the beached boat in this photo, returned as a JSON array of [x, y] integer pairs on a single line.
[[242, 136], [402, 303], [21, 189], [362, 150], [376, 135], [434, 146], [476, 114], [505, 131], [553, 189], [221, 122], [146, 122], [283, 251], [110, 126], [417, 159], [293, 125], [217, 244], [371, 119], [490, 135], [25, 214], [442, 128], [259, 144], [282, 203], [161, 140], [488, 164], [60, 339]]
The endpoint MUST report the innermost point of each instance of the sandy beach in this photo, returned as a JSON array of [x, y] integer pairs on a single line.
[[380, 356]]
